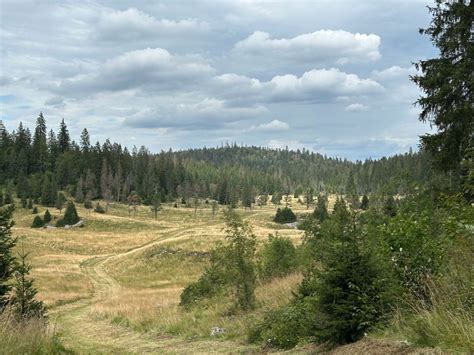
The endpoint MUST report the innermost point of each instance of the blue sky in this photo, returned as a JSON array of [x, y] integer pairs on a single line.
[[329, 76]]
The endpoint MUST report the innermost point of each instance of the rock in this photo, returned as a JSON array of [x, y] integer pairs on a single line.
[[78, 224], [293, 225], [67, 226], [215, 331]]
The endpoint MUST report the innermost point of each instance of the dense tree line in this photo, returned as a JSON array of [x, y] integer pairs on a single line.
[[38, 165]]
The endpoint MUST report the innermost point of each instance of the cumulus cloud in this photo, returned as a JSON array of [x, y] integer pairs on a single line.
[[135, 24], [339, 45], [275, 125], [356, 107], [153, 68], [314, 85]]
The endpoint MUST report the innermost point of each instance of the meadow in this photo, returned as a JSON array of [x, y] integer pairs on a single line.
[[114, 285]]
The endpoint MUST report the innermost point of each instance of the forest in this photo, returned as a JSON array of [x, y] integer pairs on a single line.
[[106, 248]]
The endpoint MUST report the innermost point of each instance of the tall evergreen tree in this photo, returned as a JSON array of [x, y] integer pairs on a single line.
[[64, 141], [7, 263], [40, 147], [448, 84]]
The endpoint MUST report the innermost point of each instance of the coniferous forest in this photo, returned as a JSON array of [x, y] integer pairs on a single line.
[[108, 248]]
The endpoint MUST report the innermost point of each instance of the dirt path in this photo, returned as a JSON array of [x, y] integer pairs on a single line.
[[86, 334]]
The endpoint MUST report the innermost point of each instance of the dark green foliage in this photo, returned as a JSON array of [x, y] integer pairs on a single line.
[[321, 210], [7, 242], [60, 201], [98, 208], [283, 328], [70, 216], [284, 215], [23, 300], [49, 190], [1, 199], [34, 210], [364, 205], [277, 257], [8, 197], [30, 204], [390, 207], [447, 84], [47, 217], [37, 222]]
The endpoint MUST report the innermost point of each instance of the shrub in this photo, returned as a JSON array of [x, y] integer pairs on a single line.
[[37, 222], [232, 267], [47, 217], [98, 208], [284, 215], [35, 210], [278, 257], [70, 216]]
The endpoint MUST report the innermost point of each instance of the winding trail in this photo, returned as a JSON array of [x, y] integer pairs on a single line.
[[86, 334]]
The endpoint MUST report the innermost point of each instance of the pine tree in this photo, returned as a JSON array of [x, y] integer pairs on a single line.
[[47, 217], [85, 141], [309, 197], [37, 222], [321, 211], [7, 243], [63, 137], [70, 216], [23, 300], [40, 147], [446, 81], [60, 201]]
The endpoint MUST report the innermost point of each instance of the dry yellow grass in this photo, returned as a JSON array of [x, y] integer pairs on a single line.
[[120, 277]]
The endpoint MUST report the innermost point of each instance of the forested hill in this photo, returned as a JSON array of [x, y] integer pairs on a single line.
[[39, 164]]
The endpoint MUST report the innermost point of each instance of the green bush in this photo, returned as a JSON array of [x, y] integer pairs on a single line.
[[37, 222], [284, 215], [70, 216], [98, 208], [277, 257], [47, 217], [34, 210]]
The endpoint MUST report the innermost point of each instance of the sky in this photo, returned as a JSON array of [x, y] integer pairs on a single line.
[[329, 76]]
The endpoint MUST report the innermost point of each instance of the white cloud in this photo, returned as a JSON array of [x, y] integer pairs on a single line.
[[135, 24], [154, 68], [393, 72], [275, 125], [339, 45], [320, 84], [283, 144], [356, 107]]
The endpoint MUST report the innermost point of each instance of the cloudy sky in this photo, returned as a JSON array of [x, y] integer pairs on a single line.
[[330, 76]]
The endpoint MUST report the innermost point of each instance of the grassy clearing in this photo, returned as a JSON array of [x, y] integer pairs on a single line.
[[144, 264]]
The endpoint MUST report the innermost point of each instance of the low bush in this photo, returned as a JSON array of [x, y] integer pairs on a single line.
[[277, 257], [284, 215], [37, 222]]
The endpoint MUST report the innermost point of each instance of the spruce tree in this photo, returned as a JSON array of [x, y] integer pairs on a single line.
[[446, 82], [321, 211], [70, 216], [64, 140], [60, 201], [390, 207], [37, 222], [23, 300], [40, 147], [47, 217], [7, 261]]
